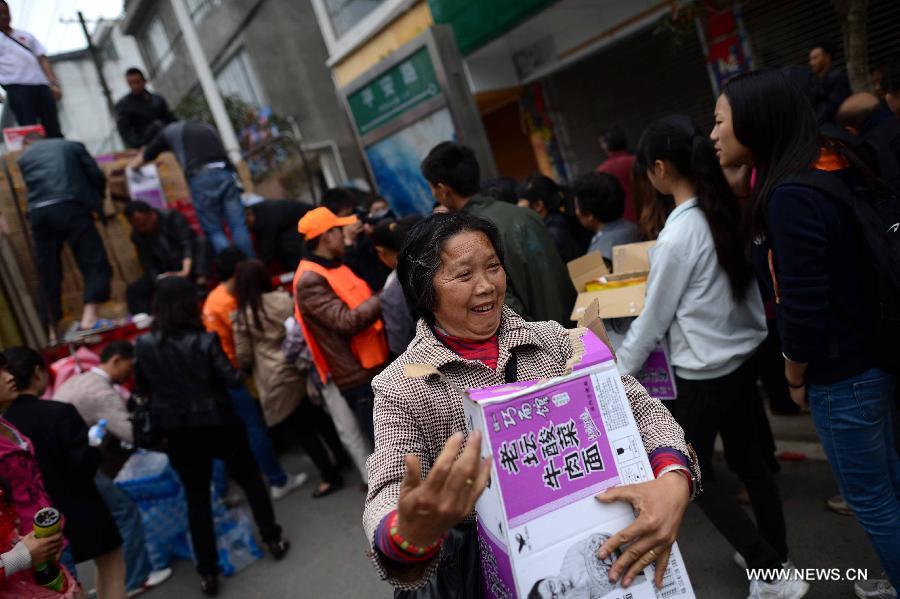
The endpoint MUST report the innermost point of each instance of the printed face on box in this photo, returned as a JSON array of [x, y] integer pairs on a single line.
[[582, 575]]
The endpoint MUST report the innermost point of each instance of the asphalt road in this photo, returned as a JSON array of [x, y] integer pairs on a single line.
[[328, 555]]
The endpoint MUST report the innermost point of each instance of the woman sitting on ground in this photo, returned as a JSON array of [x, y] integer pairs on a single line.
[[451, 269]]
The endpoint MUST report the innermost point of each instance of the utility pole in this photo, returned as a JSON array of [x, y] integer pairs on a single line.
[[98, 64], [207, 82]]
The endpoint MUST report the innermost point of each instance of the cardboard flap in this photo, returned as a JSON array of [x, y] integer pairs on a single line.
[[632, 257], [613, 303], [592, 321], [421, 371], [587, 268]]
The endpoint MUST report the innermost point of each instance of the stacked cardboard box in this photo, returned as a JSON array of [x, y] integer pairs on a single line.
[[116, 233]]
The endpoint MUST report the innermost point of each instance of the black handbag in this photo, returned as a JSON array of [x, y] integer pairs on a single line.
[[458, 574], [146, 430]]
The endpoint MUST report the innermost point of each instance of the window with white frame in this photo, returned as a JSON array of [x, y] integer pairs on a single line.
[[158, 46], [237, 78], [199, 8], [345, 14]]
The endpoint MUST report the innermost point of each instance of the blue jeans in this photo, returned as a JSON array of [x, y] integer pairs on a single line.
[[853, 419], [131, 527], [67, 561], [216, 199], [249, 412]]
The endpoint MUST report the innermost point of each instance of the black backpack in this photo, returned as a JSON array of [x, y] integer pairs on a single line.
[[876, 214]]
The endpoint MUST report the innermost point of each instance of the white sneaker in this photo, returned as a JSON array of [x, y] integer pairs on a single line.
[[877, 588], [742, 563], [156, 578], [293, 483], [778, 589]]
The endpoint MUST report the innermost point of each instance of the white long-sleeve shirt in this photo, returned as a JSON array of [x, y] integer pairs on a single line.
[[689, 297]]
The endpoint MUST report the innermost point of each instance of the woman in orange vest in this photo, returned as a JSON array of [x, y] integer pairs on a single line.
[[340, 317]]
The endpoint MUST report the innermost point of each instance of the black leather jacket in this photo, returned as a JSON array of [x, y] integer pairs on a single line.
[[58, 170], [186, 377]]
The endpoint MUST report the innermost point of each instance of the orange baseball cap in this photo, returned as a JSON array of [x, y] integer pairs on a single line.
[[321, 220]]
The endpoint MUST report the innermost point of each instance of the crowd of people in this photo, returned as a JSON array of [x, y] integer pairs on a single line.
[[771, 264]]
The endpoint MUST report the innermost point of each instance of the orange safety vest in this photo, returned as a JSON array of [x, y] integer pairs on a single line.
[[369, 346]]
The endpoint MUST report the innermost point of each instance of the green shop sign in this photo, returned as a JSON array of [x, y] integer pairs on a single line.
[[394, 92]]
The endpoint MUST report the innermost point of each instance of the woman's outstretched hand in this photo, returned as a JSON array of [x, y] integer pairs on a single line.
[[428, 508], [660, 505]]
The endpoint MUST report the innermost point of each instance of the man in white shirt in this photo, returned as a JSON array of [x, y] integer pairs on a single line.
[[94, 396], [26, 75]]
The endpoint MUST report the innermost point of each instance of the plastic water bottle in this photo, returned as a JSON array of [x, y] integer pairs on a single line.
[[49, 575], [96, 433]]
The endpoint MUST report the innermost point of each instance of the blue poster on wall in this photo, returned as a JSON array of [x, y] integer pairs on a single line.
[[395, 162]]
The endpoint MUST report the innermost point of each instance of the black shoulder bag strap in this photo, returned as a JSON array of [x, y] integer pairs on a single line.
[[510, 372], [27, 49]]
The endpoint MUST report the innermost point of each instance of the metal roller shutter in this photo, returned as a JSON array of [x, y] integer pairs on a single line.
[[782, 33], [629, 84]]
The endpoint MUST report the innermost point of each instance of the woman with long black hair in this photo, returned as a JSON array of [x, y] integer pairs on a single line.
[[702, 299], [183, 370], [807, 249], [259, 333]]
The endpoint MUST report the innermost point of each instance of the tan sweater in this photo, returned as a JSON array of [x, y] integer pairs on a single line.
[[94, 397], [281, 386]]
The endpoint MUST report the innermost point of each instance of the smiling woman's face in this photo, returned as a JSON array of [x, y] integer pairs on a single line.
[[470, 286]]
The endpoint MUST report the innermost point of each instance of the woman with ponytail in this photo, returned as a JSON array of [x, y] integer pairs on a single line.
[[702, 298]]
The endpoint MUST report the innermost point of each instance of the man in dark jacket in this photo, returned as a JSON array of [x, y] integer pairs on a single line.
[[545, 197], [139, 111], [539, 286], [360, 255], [166, 246], [830, 84], [274, 226], [877, 132], [65, 186]]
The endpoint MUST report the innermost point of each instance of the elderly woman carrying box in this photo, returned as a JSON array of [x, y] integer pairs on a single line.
[[422, 491]]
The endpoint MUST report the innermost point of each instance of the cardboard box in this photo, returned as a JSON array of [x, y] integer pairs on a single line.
[[632, 257], [620, 293], [554, 445], [14, 137]]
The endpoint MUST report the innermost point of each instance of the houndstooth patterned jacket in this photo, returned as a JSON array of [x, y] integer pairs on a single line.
[[417, 416]]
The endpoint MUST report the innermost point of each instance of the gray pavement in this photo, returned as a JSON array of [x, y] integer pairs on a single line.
[[328, 559]]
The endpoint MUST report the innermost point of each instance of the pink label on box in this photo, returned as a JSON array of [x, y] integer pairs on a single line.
[[656, 376], [550, 448]]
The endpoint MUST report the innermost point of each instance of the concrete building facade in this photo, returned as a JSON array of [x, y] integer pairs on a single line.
[[268, 53]]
